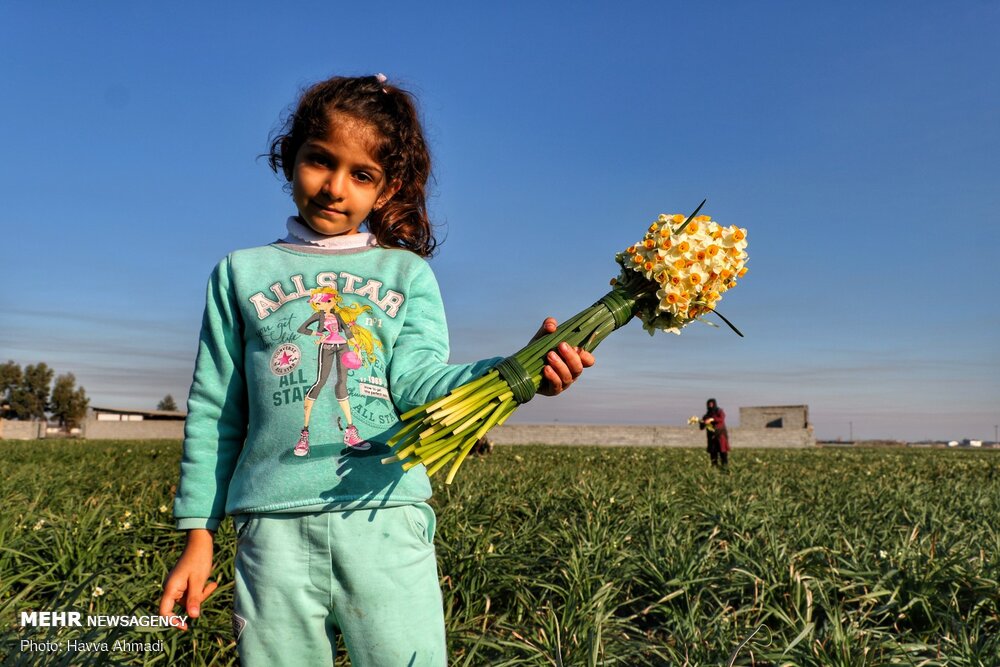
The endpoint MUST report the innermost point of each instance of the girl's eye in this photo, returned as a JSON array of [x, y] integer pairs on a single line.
[[319, 159], [364, 177]]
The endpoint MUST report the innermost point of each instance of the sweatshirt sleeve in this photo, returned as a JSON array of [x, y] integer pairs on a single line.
[[216, 424], [419, 371]]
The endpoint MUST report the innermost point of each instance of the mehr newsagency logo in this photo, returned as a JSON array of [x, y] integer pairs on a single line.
[[75, 619]]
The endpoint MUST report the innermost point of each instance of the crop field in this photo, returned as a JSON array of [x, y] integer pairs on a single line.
[[566, 556]]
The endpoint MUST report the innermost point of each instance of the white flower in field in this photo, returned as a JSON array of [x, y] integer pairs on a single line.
[[39, 525], [163, 508], [140, 552], [126, 526], [127, 514], [98, 592], [882, 553], [107, 522]]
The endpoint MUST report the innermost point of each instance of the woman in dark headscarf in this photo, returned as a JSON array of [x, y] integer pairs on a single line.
[[714, 425]]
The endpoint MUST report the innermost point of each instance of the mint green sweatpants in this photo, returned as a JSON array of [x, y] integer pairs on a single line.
[[368, 574]]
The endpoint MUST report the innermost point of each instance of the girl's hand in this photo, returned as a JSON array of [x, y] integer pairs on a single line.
[[563, 365], [186, 583]]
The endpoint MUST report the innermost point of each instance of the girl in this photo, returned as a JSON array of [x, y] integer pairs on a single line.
[[333, 540]]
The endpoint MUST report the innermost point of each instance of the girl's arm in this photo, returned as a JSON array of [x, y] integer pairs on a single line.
[[218, 413], [420, 371], [304, 327], [186, 583]]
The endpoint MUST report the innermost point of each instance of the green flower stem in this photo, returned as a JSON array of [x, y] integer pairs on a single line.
[[476, 419], [440, 464], [470, 386], [487, 392]]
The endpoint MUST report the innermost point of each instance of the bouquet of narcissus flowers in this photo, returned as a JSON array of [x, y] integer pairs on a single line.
[[694, 421], [675, 274]]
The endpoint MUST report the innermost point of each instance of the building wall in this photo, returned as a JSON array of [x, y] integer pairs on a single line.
[[21, 430], [147, 429], [612, 435], [645, 436], [791, 416]]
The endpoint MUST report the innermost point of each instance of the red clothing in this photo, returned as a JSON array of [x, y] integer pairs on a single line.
[[719, 438]]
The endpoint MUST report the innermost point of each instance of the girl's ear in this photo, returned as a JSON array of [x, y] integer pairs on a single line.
[[390, 190]]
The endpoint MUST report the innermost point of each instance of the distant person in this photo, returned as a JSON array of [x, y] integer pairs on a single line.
[[714, 425], [483, 446]]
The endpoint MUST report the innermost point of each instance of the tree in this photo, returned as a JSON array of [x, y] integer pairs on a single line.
[[31, 397], [69, 402], [167, 404], [11, 377]]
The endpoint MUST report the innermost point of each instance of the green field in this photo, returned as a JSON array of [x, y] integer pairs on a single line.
[[571, 556]]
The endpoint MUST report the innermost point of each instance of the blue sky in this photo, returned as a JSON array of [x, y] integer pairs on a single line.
[[857, 142]]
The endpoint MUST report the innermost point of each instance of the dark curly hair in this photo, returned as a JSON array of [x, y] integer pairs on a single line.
[[400, 150]]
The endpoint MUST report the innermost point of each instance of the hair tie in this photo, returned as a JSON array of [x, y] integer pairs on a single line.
[[382, 79]]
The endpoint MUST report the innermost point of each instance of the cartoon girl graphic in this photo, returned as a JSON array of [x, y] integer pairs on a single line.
[[340, 341]]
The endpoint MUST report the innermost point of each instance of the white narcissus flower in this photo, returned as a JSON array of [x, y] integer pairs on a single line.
[[692, 267]]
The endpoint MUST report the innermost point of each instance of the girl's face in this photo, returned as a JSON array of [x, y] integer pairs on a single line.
[[327, 306], [336, 181]]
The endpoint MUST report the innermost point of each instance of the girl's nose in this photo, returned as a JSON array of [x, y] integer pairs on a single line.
[[335, 185]]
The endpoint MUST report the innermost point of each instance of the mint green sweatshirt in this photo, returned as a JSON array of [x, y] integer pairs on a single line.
[[254, 368]]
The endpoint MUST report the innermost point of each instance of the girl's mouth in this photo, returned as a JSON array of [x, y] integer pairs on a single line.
[[328, 211]]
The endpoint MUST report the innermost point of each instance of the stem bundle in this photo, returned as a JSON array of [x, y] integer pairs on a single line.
[[446, 429]]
